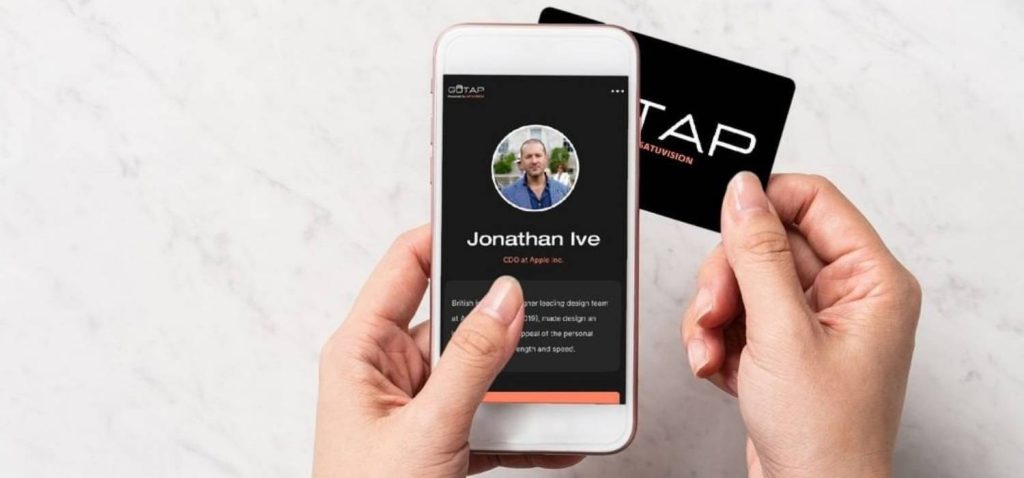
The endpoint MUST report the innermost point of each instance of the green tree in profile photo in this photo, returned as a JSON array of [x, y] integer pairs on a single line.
[[559, 156], [505, 164]]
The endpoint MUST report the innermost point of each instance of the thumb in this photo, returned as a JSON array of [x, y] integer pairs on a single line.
[[757, 247], [479, 349]]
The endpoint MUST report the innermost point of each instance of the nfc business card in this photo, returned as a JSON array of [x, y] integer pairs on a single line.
[[702, 120]]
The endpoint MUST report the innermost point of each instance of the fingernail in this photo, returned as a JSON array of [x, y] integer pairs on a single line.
[[502, 302], [697, 353], [747, 194], [733, 385], [702, 305]]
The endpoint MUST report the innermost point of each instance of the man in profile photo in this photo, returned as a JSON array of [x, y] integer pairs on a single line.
[[534, 190]]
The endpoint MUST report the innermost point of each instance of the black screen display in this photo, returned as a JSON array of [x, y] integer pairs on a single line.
[[535, 186]]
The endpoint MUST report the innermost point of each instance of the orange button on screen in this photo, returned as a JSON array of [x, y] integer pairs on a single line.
[[553, 397]]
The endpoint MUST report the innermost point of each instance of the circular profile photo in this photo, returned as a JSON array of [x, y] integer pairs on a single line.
[[535, 168]]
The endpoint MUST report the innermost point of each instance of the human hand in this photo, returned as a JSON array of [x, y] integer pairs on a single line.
[[381, 411], [805, 315]]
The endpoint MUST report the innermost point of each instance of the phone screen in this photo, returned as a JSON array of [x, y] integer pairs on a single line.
[[535, 185]]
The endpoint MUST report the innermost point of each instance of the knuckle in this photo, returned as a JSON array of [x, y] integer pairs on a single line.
[[335, 356], [330, 352], [912, 288], [767, 245], [715, 265], [901, 288], [902, 280], [476, 348], [406, 239], [820, 182]]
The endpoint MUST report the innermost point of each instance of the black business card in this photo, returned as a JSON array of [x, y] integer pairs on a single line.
[[703, 119]]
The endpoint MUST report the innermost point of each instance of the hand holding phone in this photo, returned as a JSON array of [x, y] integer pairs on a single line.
[[378, 414]]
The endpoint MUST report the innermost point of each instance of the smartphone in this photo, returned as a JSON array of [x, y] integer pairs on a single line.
[[534, 175]]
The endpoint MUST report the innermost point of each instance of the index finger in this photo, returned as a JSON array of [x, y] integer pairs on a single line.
[[831, 223], [395, 288]]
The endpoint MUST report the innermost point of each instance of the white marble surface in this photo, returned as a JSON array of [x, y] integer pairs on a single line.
[[192, 192]]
